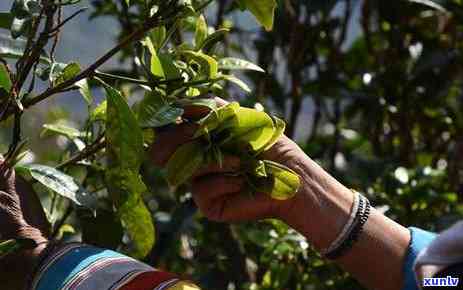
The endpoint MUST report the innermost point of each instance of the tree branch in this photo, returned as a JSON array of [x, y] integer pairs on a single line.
[[152, 22], [41, 42], [61, 24], [96, 146]]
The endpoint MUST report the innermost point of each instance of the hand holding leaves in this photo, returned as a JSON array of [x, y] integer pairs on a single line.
[[220, 154], [243, 132], [23, 225]]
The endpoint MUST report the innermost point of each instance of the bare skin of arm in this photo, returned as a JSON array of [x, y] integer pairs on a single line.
[[21, 216], [321, 209], [318, 211]]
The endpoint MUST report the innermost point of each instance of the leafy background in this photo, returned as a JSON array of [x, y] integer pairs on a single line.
[[372, 90]]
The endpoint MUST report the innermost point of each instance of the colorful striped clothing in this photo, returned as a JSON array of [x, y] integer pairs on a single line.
[[82, 267]]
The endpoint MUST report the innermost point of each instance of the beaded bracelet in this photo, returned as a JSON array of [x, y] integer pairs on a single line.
[[347, 227], [361, 217]]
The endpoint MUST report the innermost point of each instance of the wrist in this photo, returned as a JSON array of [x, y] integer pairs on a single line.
[[321, 207]]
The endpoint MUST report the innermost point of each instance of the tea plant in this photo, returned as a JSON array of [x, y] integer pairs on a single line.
[[171, 78]]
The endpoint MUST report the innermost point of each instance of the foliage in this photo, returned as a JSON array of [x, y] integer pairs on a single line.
[[10, 246], [371, 90]]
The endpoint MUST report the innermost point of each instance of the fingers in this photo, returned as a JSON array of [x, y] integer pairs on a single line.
[[243, 207], [209, 189], [195, 112], [221, 198], [213, 186], [167, 141]]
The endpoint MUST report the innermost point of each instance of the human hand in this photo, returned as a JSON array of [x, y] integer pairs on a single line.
[[21, 218], [319, 210], [220, 191]]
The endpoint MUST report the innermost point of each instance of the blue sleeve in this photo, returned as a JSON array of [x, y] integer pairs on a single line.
[[420, 239]]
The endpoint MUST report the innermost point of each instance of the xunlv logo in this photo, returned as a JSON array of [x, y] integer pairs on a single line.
[[441, 282]]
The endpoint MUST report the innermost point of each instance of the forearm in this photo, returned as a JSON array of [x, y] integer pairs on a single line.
[[321, 209]]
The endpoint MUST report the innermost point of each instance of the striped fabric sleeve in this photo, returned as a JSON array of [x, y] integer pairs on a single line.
[[158, 281], [82, 267]]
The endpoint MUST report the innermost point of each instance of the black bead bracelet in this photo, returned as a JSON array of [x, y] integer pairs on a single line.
[[360, 219]]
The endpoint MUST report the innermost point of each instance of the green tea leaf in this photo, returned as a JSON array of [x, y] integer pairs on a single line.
[[154, 112], [217, 119], [5, 20], [7, 247], [18, 153], [209, 66], [209, 43], [11, 246], [63, 130], [184, 162], [156, 66], [231, 63], [59, 76], [158, 36], [201, 31], [263, 10], [260, 169], [279, 130], [51, 71], [251, 128], [5, 81], [192, 92], [62, 184], [282, 183], [126, 188], [211, 104], [99, 113], [125, 151], [238, 82], [160, 117], [84, 90], [123, 135], [163, 66]]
